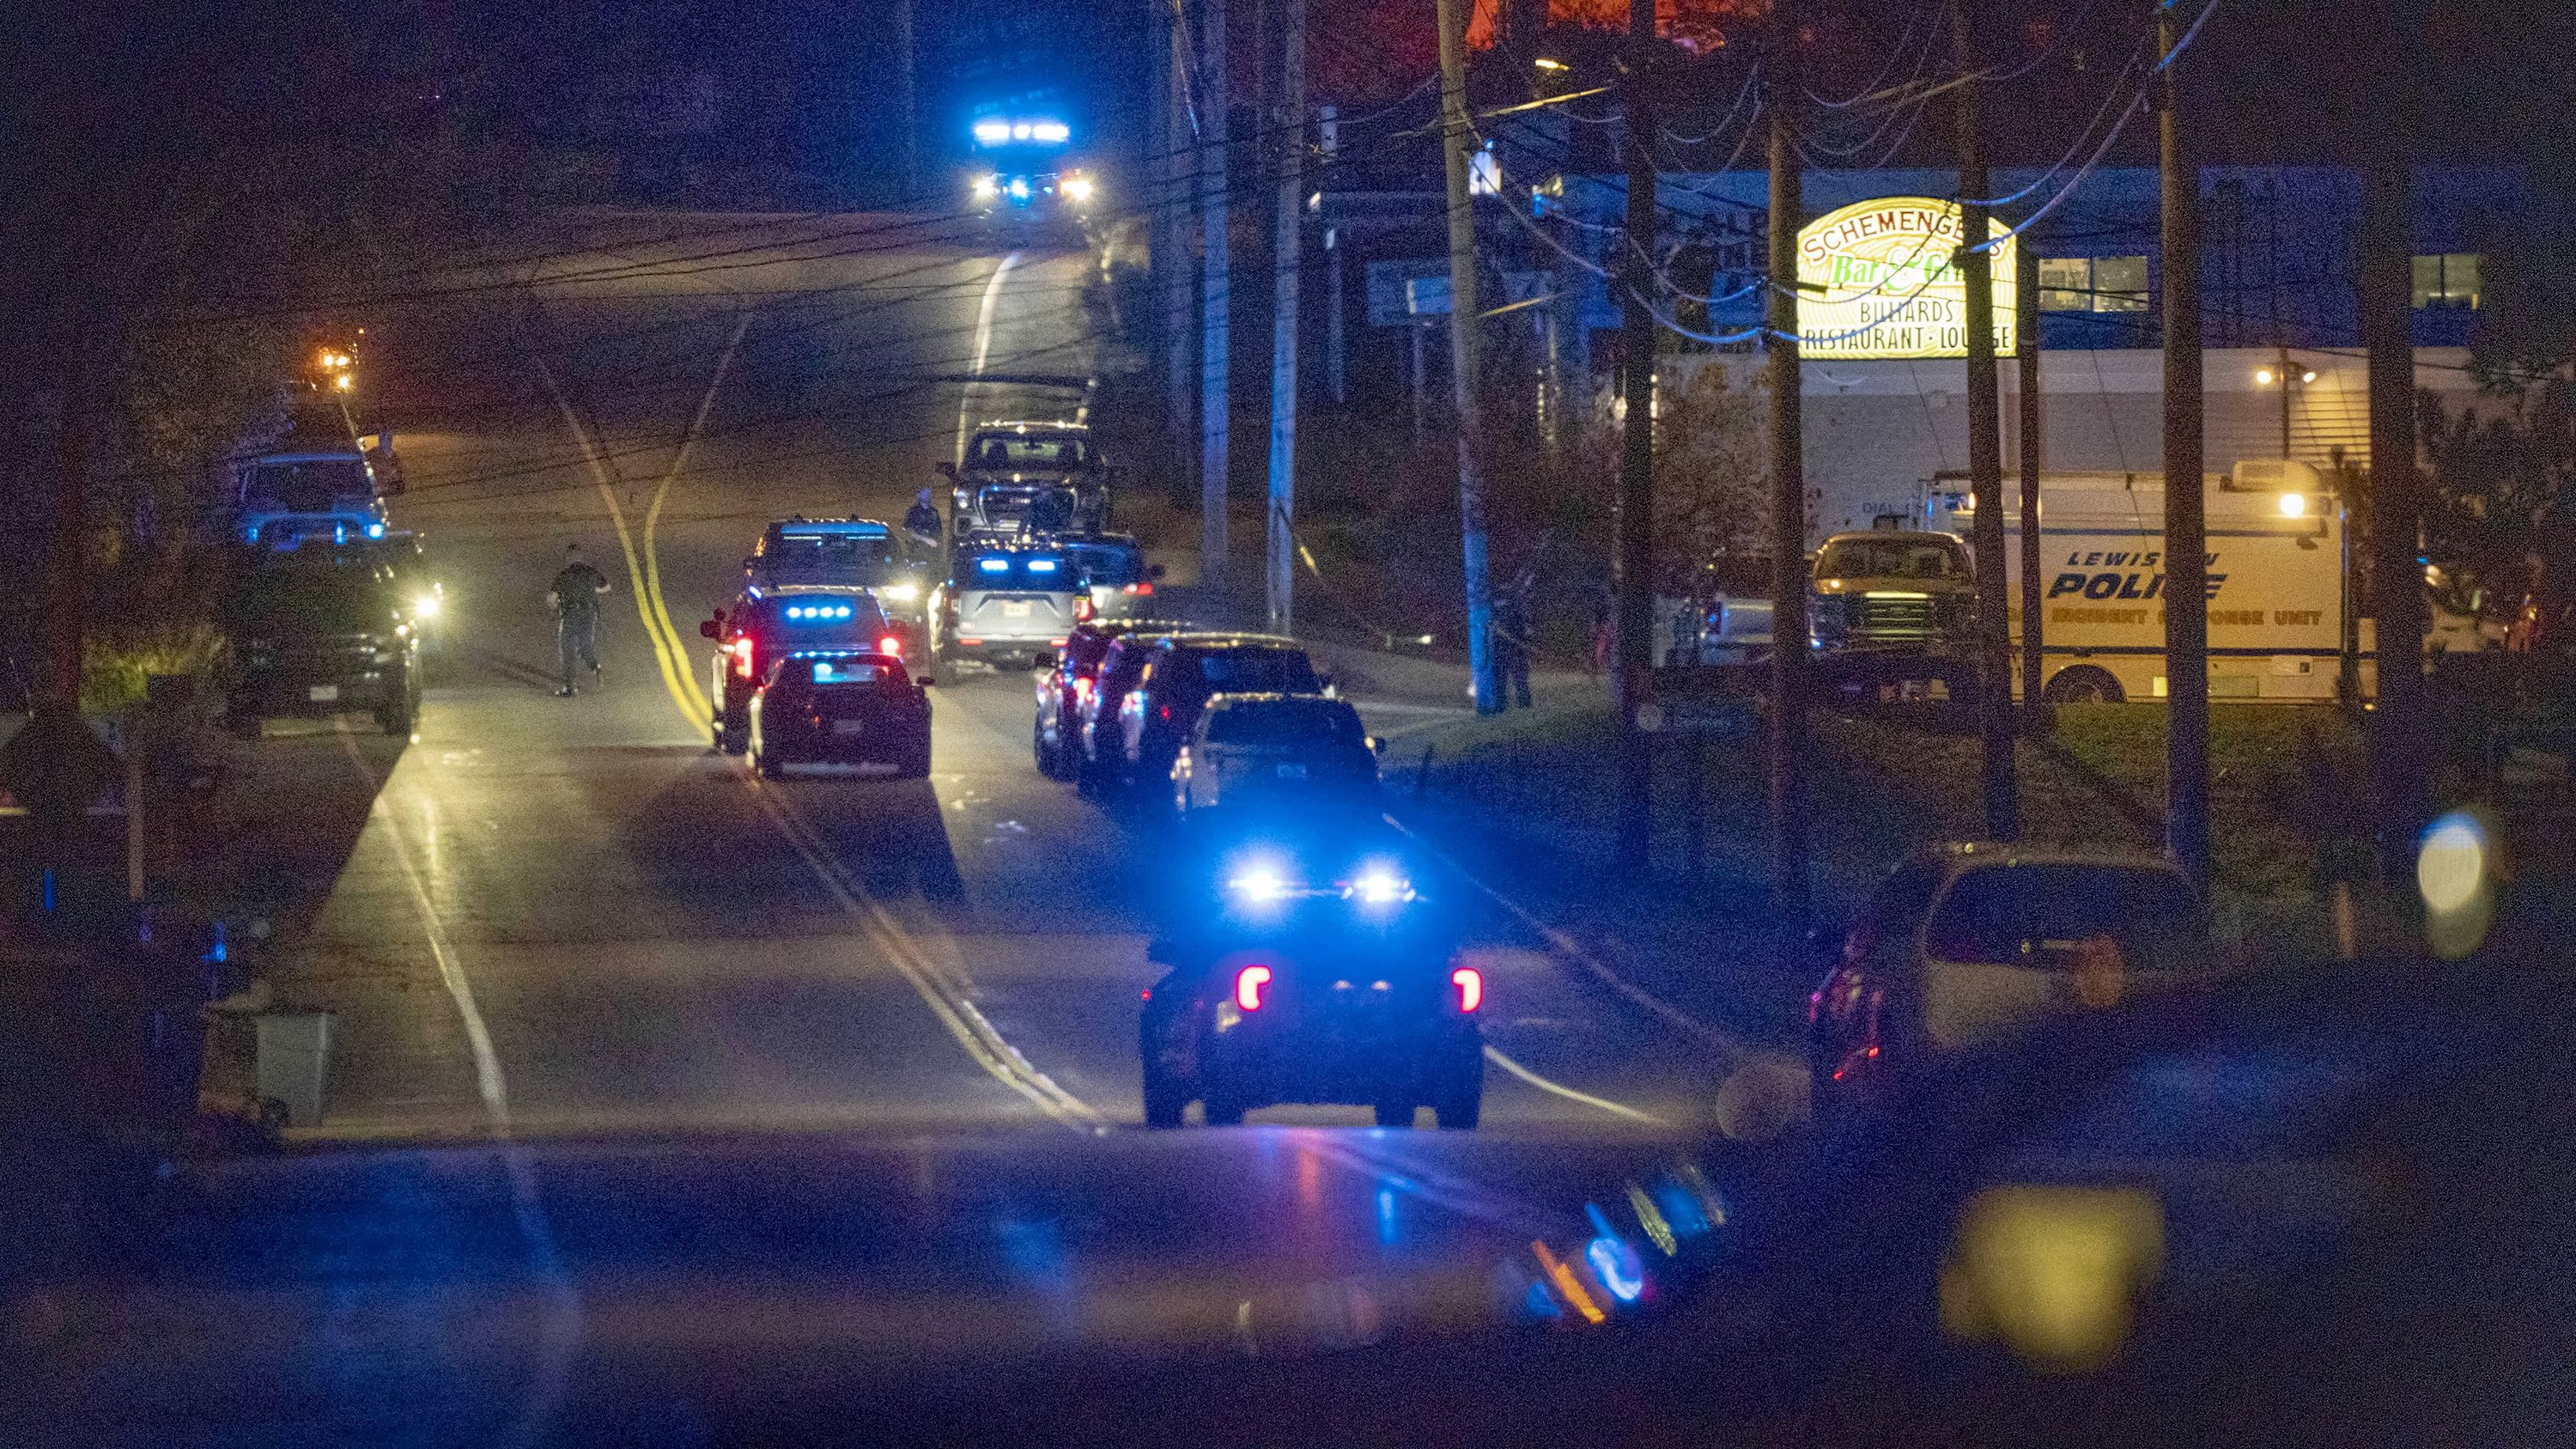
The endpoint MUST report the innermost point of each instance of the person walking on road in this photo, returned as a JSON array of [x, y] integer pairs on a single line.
[[575, 593]]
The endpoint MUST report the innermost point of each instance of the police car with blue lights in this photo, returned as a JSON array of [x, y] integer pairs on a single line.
[[1307, 964], [846, 708], [1022, 170], [762, 628], [285, 500], [805, 555]]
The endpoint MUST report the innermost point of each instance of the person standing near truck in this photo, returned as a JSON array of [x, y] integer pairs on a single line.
[[575, 593]]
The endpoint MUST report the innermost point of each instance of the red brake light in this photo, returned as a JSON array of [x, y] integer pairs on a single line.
[[742, 656], [1471, 987], [1082, 686], [891, 644], [1249, 984], [1138, 588]]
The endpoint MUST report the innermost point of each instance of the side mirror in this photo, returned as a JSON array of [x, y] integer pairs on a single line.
[[711, 628], [750, 562], [946, 468], [1154, 572], [1331, 690], [925, 681]]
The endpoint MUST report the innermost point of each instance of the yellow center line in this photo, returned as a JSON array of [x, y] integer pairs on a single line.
[[704, 712], [674, 671]]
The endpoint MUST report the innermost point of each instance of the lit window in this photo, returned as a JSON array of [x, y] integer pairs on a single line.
[[2093, 284], [2449, 279]]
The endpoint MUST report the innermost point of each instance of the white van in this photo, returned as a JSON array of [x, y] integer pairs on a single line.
[[2278, 559]]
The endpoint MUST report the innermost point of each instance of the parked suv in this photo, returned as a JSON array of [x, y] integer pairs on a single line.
[[1964, 943], [284, 500], [1055, 734], [1006, 604], [1180, 676], [1892, 606], [800, 555], [1285, 747], [321, 636]]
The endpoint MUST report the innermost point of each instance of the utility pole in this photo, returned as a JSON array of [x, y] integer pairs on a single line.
[[1463, 313], [2396, 577], [2186, 591], [1215, 329], [1786, 744], [2033, 458], [908, 107], [1176, 267], [1634, 564], [1985, 448], [1291, 123]]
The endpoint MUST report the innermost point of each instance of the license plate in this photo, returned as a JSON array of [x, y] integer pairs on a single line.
[[323, 693], [849, 726], [1292, 772], [1015, 611]]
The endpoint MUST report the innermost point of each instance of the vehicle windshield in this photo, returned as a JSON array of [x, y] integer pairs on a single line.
[[1258, 671], [795, 556], [309, 486], [1892, 558], [1029, 452], [1286, 722]]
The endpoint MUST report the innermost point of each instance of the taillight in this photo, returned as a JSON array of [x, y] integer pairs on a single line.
[[1081, 610], [742, 656], [1250, 984], [1138, 588], [891, 644], [1471, 987], [1082, 686]]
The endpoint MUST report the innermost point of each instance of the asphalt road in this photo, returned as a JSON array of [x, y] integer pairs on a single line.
[[611, 1013]]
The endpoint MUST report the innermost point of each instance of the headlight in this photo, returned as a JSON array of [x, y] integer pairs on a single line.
[[987, 187], [904, 593], [1259, 884], [1077, 188], [426, 606], [1380, 886]]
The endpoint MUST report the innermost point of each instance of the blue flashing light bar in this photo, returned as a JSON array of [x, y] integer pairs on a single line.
[[1043, 130], [1041, 565], [994, 565], [818, 611]]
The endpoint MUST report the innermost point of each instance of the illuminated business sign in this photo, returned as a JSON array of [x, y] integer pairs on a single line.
[[1880, 279]]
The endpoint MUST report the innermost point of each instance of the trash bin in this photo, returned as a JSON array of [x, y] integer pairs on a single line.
[[294, 1065]]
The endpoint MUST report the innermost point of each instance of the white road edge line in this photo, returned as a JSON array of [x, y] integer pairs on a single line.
[[983, 344], [1602, 1104], [562, 1335], [973, 1031]]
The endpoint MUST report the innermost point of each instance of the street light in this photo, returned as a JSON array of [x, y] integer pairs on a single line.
[[2281, 374]]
